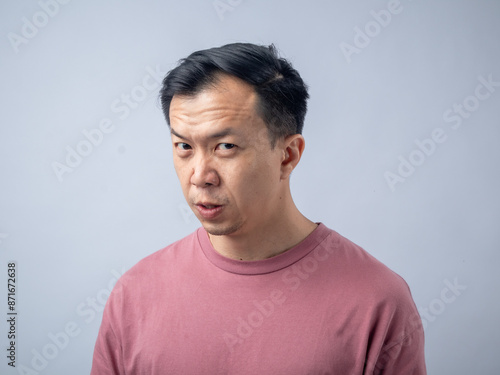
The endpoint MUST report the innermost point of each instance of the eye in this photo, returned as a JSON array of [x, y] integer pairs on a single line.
[[183, 146], [226, 146]]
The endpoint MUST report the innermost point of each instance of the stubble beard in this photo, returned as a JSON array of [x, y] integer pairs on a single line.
[[219, 230]]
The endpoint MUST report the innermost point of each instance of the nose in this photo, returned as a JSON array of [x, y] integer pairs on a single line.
[[203, 173]]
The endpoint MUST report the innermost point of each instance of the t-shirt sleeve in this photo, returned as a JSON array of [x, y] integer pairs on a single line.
[[403, 358], [402, 352], [107, 358]]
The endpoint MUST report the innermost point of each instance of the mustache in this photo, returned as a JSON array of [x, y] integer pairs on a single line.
[[214, 200]]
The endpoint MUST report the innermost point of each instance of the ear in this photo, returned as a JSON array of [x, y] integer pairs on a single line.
[[293, 148]]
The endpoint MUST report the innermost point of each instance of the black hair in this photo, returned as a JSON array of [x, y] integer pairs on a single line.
[[281, 91]]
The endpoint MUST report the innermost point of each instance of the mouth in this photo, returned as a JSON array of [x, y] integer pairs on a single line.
[[209, 210], [208, 205]]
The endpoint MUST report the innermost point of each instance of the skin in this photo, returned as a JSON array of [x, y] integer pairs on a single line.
[[223, 157]]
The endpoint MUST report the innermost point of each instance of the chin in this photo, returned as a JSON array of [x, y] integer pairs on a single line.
[[221, 229]]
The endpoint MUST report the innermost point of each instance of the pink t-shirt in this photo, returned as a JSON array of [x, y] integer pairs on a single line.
[[323, 307]]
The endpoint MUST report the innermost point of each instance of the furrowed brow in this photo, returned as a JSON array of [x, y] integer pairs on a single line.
[[172, 131], [220, 134]]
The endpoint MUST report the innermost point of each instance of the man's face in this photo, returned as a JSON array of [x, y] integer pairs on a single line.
[[230, 175]]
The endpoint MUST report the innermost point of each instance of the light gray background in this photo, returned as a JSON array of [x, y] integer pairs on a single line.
[[122, 202]]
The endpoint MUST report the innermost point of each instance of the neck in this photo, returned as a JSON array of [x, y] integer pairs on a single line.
[[269, 239]]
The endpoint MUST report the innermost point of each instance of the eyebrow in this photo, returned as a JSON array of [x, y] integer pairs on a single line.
[[220, 134]]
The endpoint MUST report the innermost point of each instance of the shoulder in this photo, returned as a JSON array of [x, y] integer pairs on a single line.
[[362, 274], [382, 294], [161, 264]]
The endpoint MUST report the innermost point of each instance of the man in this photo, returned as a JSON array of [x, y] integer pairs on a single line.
[[259, 288]]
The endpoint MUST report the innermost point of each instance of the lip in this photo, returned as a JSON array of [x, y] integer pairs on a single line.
[[209, 213]]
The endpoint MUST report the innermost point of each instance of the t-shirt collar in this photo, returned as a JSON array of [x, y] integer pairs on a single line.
[[257, 267]]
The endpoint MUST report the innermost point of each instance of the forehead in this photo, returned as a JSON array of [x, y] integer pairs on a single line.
[[229, 99]]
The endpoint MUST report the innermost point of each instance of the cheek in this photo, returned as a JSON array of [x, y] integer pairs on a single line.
[[251, 182]]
